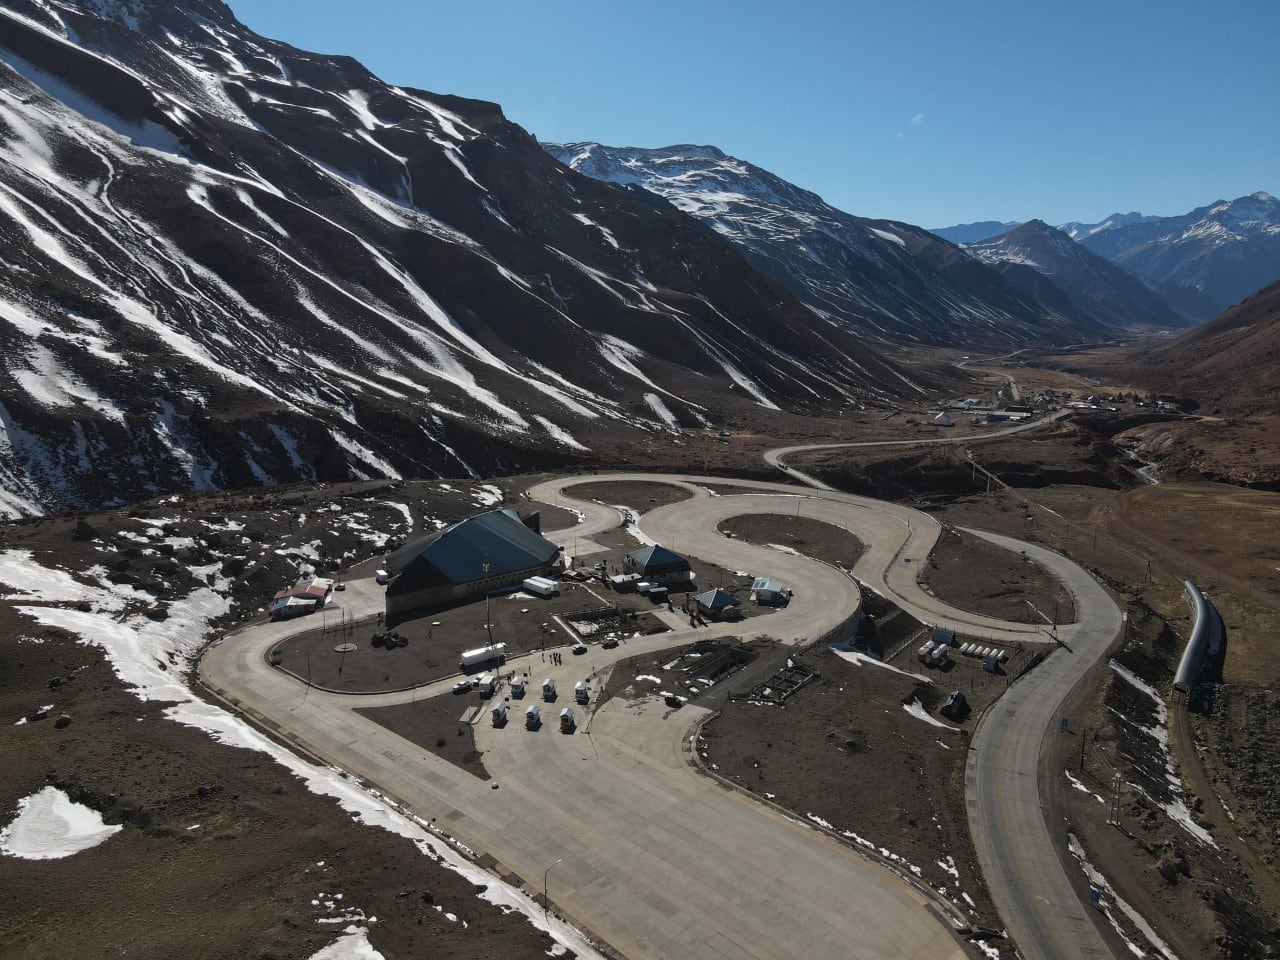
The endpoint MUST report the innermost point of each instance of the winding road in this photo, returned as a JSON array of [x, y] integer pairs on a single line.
[[658, 861]]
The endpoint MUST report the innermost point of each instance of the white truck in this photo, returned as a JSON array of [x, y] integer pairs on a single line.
[[482, 656], [488, 684], [542, 586]]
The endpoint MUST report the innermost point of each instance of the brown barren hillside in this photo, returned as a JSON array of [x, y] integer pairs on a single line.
[[1232, 361]]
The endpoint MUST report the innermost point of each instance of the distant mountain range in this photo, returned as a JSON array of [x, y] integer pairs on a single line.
[[892, 281], [230, 262], [1202, 262], [975, 232], [1047, 264], [886, 280]]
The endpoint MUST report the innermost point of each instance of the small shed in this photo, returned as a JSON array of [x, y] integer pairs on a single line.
[[956, 708], [713, 604], [768, 592], [944, 636]]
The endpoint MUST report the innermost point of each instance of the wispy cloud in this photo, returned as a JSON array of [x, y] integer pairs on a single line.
[[917, 119]]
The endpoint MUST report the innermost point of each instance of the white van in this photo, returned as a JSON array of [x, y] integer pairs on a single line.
[[488, 683]]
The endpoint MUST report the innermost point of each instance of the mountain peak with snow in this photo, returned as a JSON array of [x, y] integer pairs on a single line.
[[890, 281], [1224, 251]]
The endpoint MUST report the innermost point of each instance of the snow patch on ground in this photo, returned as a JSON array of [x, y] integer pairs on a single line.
[[916, 709], [352, 945], [1099, 883], [1082, 788], [784, 549], [1176, 809], [50, 825], [152, 657], [663, 412], [858, 659], [631, 525]]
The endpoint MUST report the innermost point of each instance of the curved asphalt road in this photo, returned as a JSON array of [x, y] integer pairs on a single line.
[[776, 456], [1042, 909], [654, 859]]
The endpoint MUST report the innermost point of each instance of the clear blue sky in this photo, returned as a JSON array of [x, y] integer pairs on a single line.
[[930, 112]]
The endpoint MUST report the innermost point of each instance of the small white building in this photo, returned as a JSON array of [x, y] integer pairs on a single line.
[[768, 592]]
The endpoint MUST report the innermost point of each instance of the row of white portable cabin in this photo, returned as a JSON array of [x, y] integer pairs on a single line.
[[981, 652]]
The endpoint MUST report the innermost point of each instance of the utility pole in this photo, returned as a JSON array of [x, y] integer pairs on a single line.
[[487, 625]]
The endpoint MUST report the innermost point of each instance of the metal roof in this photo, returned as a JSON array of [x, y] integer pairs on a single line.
[[655, 556], [458, 553], [763, 583], [717, 599]]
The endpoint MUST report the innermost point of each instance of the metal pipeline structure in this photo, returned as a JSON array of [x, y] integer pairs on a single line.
[[1206, 638]]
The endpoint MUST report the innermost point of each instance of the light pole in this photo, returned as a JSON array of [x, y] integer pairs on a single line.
[[544, 889], [1042, 616], [487, 625]]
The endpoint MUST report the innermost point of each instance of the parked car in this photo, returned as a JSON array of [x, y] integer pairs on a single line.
[[579, 648], [462, 686], [609, 642]]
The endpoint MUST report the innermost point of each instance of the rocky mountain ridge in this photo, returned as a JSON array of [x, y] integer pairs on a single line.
[[230, 262], [1202, 262], [1033, 253], [890, 281], [1226, 250]]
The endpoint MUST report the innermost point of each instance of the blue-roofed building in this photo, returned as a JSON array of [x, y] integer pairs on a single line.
[[448, 566], [658, 565], [713, 604]]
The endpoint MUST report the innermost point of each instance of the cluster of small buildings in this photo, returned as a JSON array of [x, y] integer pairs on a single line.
[[499, 550], [306, 596]]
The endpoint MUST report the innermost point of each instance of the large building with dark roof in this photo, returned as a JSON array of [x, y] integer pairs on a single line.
[[449, 565], [658, 565]]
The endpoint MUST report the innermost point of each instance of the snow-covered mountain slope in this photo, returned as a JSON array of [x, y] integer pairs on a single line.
[[225, 261], [888, 280], [1226, 250], [1078, 231], [1109, 295]]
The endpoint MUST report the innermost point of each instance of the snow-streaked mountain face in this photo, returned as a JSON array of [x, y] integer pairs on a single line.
[[886, 280], [1090, 286], [1225, 251], [1079, 231], [225, 261]]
